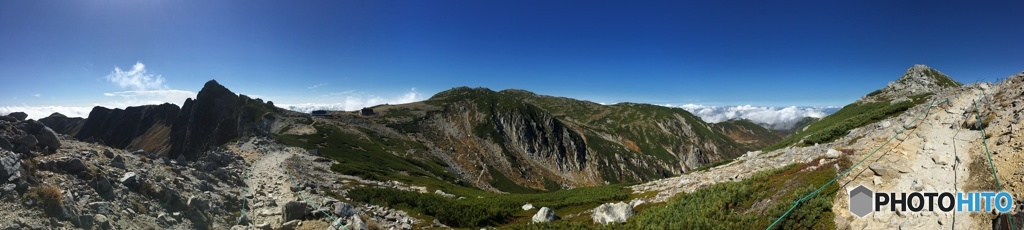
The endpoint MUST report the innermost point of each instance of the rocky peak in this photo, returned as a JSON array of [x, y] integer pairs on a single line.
[[917, 80], [215, 117]]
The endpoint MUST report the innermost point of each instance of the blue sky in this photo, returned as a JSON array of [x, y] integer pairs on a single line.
[[766, 53]]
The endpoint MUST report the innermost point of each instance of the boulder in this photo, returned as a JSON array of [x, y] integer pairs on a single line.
[[108, 153], [18, 115], [196, 203], [545, 215], [882, 170], [48, 138], [10, 167], [102, 187], [72, 165], [343, 209], [8, 118], [355, 223], [612, 213], [527, 207], [294, 210], [445, 195], [31, 126], [117, 162], [100, 221], [26, 140], [130, 179], [833, 154], [5, 144]]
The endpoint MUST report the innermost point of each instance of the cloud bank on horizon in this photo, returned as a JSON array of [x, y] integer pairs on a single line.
[[350, 100], [777, 118]]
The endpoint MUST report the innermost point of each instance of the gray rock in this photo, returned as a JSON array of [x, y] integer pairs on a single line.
[[527, 207], [294, 210], [108, 153], [130, 179], [10, 166], [102, 187], [8, 189], [48, 138], [882, 170], [100, 221], [343, 209], [940, 159], [833, 154], [196, 203], [612, 213], [290, 225], [355, 223], [263, 226], [72, 165], [100, 207], [117, 162], [5, 144], [31, 126], [18, 115], [545, 215], [26, 140], [8, 118]]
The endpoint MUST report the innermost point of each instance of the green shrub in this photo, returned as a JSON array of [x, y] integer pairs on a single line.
[[753, 203], [494, 209]]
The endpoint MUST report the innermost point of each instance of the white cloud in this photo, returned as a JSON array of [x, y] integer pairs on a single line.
[[348, 101], [144, 89], [37, 95], [317, 85], [136, 78], [771, 117], [36, 112]]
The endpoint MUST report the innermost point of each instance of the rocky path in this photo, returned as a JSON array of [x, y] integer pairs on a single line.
[[934, 156], [268, 187]]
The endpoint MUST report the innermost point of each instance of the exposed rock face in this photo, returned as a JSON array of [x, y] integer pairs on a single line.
[[612, 213], [215, 117], [63, 124], [139, 127]]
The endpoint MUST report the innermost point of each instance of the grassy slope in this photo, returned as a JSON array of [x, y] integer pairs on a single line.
[[851, 116], [753, 203]]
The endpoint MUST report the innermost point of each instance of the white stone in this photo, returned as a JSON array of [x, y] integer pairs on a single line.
[[544, 215], [609, 213]]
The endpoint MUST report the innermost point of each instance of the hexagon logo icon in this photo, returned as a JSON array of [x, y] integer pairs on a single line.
[[861, 199]]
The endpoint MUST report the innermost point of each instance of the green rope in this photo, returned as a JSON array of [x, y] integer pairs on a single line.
[[984, 142], [245, 191], [816, 191], [306, 198]]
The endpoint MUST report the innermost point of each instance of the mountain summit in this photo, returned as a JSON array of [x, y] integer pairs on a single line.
[[918, 80]]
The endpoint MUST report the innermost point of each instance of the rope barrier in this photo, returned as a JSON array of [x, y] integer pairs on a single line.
[[816, 191], [984, 142], [245, 191]]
